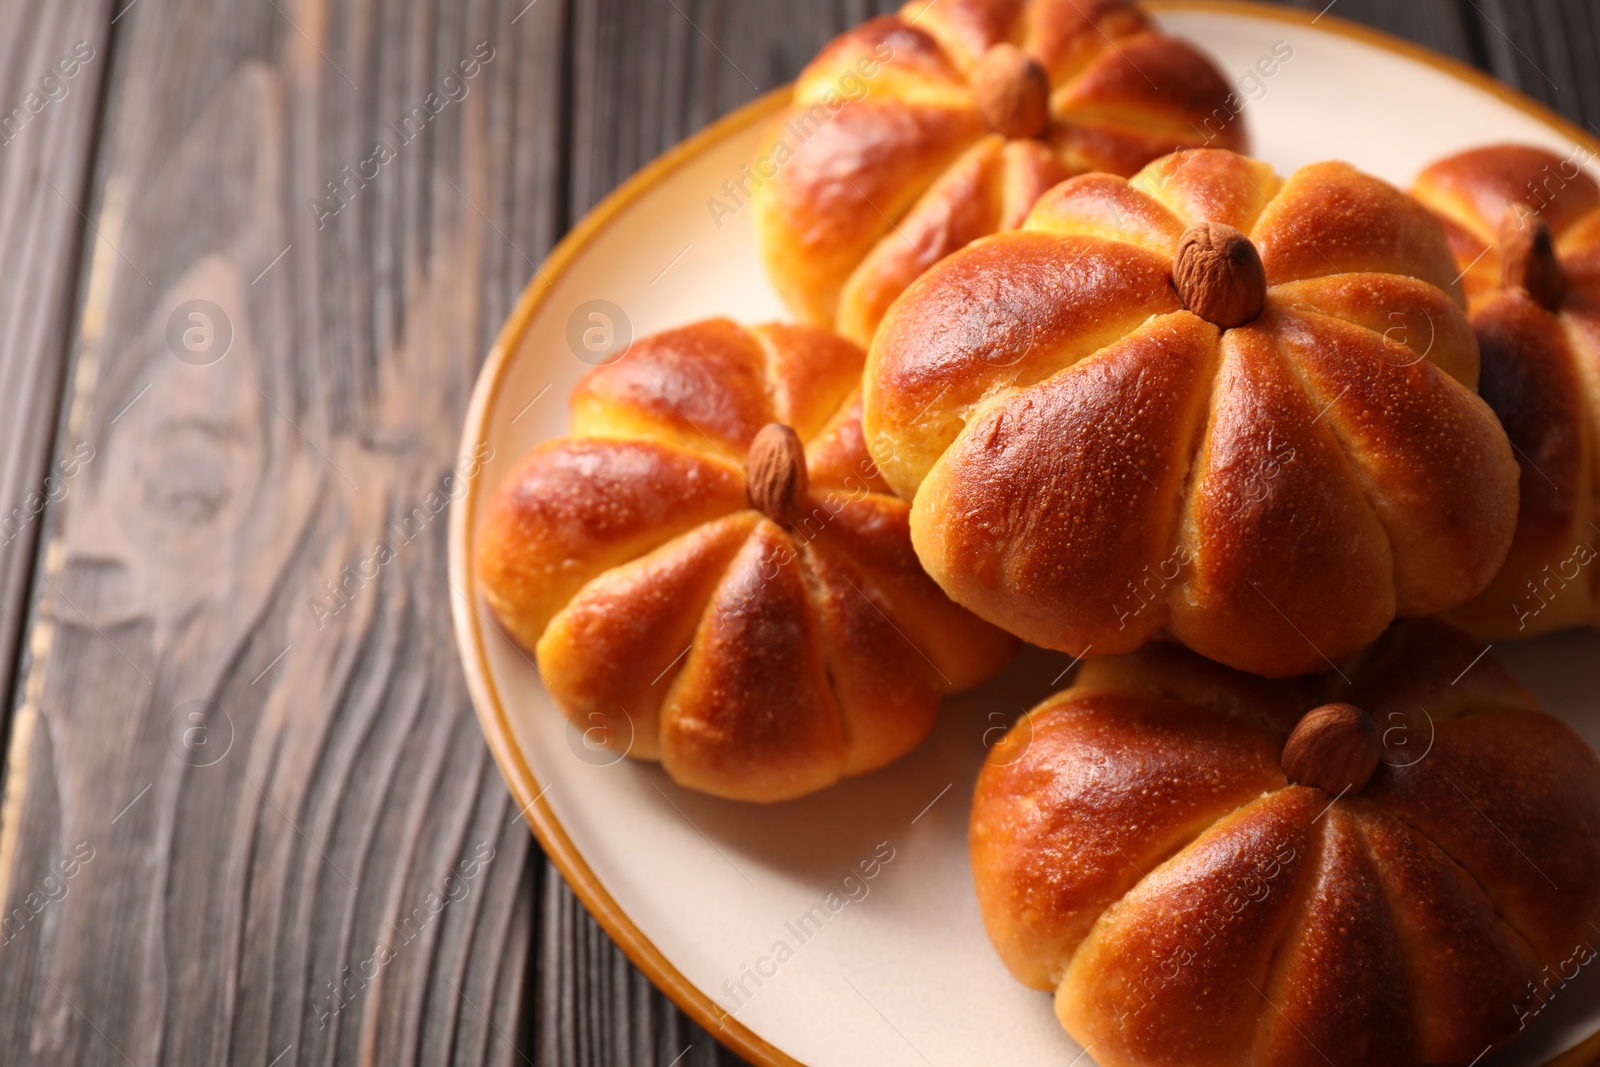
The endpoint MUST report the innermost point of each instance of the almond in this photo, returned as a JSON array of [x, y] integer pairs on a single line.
[[1528, 257], [1013, 93], [775, 474], [1335, 748], [1218, 275]]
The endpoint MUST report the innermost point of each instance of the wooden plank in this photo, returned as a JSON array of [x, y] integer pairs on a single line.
[[1441, 25], [254, 820], [51, 71], [1546, 48]]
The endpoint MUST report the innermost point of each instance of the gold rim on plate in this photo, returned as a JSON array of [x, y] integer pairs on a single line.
[[492, 716]]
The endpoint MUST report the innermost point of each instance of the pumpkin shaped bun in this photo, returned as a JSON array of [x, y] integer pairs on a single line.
[[712, 575], [1213, 869], [1525, 227], [1207, 401], [915, 133]]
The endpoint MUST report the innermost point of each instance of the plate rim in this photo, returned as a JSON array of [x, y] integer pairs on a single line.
[[466, 616]]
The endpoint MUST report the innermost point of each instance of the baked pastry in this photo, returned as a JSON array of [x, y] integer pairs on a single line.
[[1525, 227], [712, 574], [913, 134], [1212, 869], [1207, 401]]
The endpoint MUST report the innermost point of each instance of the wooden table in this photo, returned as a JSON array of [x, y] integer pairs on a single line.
[[238, 343]]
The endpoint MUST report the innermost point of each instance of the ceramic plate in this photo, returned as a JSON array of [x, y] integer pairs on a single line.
[[706, 895]]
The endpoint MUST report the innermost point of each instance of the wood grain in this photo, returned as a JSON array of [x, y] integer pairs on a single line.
[[1547, 49], [187, 561], [49, 123], [334, 812]]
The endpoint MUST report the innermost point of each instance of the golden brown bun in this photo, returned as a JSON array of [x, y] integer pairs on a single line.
[[1541, 375], [884, 163], [1091, 465], [756, 660], [1138, 849]]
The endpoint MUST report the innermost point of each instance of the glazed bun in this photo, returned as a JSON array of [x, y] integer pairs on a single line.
[[1206, 402], [711, 573]]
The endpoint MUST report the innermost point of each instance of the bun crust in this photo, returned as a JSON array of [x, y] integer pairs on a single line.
[[884, 163], [1138, 850], [756, 660], [1541, 375], [1091, 465]]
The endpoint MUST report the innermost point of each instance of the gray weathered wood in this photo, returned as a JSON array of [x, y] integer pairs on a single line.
[[1547, 49], [345, 783], [52, 66], [1443, 25]]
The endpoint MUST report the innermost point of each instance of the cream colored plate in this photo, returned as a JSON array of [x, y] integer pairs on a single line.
[[702, 893]]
